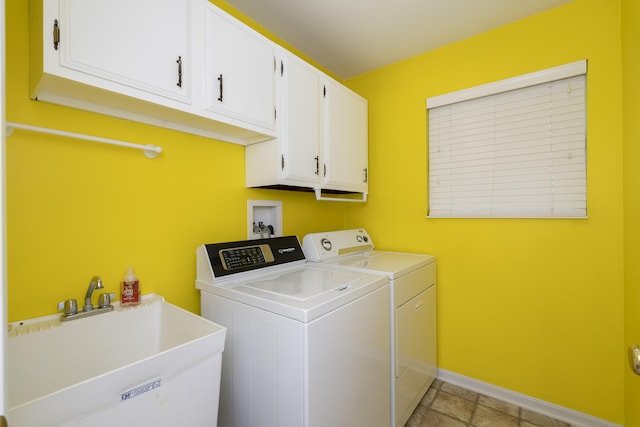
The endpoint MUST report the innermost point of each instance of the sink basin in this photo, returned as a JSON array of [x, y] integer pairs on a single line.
[[149, 365]]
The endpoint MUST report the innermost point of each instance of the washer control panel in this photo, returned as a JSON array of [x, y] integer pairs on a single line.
[[235, 258], [324, 246], [217, 260]]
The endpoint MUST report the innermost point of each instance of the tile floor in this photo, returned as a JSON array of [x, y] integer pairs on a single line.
[[447, 405]]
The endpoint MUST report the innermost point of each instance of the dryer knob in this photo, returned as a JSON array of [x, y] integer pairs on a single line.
[[326, 244]]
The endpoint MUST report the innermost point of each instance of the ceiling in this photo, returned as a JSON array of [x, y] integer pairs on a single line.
[[350, 37]]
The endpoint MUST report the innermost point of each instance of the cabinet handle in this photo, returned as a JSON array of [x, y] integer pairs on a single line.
[[282, 161], [56, 34], [366, 174], [634, 353], [325, 170], [220, 80], [179, 62], [317, 159], [281, 68]]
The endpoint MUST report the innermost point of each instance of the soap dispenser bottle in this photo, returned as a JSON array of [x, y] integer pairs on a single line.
[[130, 289]]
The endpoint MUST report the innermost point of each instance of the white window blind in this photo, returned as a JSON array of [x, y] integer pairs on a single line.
[[514, 148]]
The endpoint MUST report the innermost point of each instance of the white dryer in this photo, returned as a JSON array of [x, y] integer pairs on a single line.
[[413, 307], [306, 345]]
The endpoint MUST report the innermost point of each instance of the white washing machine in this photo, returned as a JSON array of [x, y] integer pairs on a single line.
[[413, 307], [306, 345]]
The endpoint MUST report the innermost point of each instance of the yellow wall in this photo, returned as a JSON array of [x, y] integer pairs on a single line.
[[535, 306], [631, 128], [76, 209]]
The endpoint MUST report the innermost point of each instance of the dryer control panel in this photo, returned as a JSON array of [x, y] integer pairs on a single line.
[[325, 246]]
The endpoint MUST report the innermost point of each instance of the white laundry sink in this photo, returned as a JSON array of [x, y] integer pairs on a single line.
[[148, 365]]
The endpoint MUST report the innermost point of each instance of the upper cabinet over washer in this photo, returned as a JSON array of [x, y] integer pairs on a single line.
[[322, 141], [144, 60], [299, 134]]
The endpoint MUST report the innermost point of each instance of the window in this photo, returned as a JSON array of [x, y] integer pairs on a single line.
[[513, 148]]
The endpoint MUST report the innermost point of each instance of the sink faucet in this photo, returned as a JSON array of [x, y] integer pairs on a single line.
[[96, 283], [70, 306]]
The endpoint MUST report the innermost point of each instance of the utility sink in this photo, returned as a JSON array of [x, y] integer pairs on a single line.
[[148, 365]]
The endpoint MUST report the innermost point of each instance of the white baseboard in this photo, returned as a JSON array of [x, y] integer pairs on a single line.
[[554, 411]]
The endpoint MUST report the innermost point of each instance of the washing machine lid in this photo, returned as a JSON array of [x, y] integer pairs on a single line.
[[300, 292], [394, 264], [301, 284]]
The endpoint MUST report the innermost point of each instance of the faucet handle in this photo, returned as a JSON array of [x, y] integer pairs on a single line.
[[69, 306], [104, 300]]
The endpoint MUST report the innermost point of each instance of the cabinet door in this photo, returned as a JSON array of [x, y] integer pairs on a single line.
[[300, 119], [239, 71], [143, 44], [415, 351], [345, 138]]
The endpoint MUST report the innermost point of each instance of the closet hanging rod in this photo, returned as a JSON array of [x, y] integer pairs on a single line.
[[151, 151]]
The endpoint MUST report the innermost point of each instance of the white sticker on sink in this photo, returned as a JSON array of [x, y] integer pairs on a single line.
[[130, 394]]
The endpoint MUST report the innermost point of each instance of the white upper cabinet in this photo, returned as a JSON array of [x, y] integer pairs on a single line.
[[299, 119], [145, 60], [344, 138], [143, 44], [293, 159], [136, 48], [323, 138], [240, 70]]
